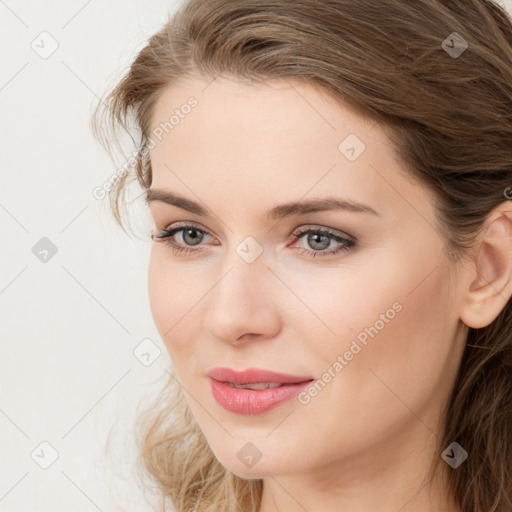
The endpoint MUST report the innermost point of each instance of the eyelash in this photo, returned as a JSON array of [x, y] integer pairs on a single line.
[[349, 245]]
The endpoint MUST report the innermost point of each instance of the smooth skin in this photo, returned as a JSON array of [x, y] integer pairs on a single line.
[[366, 440]]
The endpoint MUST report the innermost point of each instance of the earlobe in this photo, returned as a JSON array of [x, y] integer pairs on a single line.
[[490, 276]]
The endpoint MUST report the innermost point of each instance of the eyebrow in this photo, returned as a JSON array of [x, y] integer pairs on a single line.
[[277, 212]]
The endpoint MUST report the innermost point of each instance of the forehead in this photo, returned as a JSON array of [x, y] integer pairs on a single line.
[[250, 126], [260, 109], [256, 143]]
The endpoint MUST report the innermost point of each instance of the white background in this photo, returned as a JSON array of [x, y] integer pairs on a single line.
[[69, 325]]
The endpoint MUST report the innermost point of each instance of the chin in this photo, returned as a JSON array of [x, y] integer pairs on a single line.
[[271, 465]]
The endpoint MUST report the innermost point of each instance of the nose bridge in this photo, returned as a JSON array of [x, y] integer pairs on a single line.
[[244, 273], [241, 302]]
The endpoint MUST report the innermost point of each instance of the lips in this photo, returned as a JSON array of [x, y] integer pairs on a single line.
[[254, 376], [254, 391]]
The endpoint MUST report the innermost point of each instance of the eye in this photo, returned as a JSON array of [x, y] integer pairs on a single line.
[[320, 239], [190, 234]]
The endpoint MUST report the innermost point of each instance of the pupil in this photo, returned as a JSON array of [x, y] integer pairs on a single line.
[[314, 239], [196, 238]]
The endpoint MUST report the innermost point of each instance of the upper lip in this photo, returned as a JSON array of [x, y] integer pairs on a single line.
[[254, 375]]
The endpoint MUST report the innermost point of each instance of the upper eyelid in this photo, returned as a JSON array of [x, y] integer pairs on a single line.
[[179, 228], [172, 227], [306, 227], [297, 232]]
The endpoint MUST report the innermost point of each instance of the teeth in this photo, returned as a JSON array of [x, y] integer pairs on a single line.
[[255, 386]]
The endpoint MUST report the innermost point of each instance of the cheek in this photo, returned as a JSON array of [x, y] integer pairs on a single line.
[[393, 309], [389, 324], [418, 341], [160, 292], [396, 351], [174, 298], [331, 306], [402, 373]]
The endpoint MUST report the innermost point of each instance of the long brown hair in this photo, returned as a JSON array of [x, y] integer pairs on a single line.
[[437, 75]]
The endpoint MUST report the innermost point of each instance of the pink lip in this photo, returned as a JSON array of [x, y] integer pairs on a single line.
[[252, 401]]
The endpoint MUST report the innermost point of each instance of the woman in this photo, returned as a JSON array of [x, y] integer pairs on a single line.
[[331, 266]]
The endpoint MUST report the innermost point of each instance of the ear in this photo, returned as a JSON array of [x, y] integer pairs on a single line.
[[490, 273]]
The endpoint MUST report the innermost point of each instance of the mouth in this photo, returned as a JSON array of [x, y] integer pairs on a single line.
[[256, 385], [254, 391], [255, 376]]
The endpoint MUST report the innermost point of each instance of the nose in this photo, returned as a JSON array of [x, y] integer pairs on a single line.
[[241, 306]]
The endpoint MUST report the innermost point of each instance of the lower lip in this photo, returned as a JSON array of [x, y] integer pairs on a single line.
[[254, 401]]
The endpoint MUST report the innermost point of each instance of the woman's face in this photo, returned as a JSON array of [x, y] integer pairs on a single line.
[[366, 310]]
